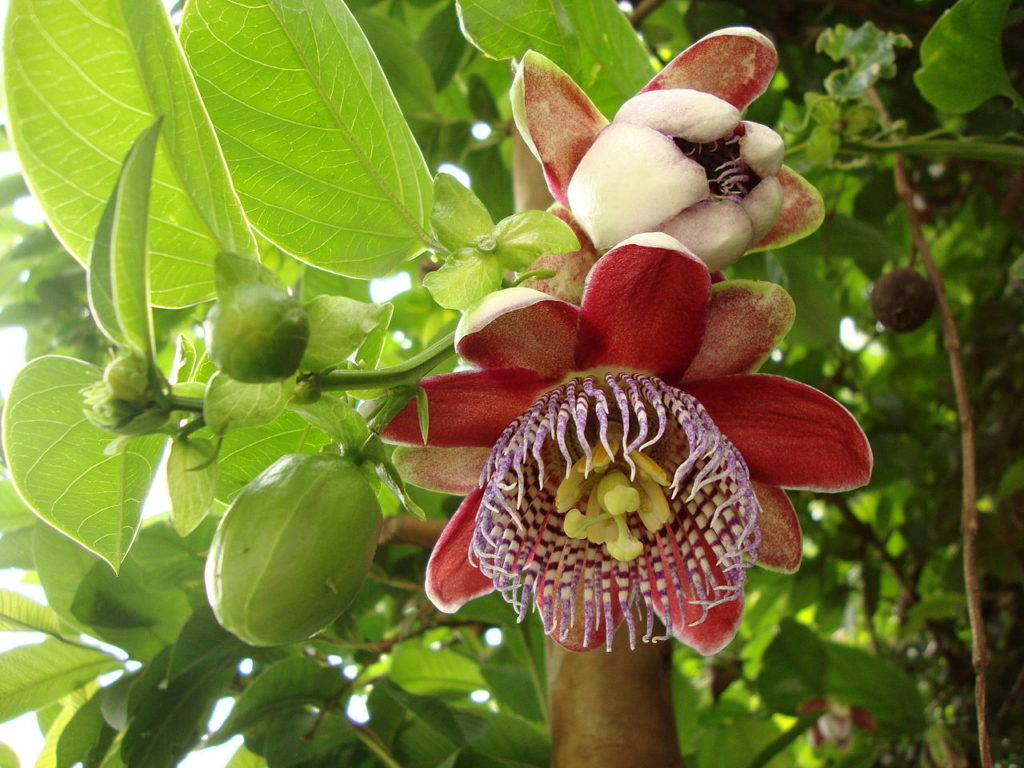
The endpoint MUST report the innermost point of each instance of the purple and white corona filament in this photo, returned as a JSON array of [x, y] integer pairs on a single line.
[[620, 481]]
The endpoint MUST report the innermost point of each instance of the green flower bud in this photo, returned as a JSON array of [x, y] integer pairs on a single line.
[[126, 401], [257, 333], [293, 549]]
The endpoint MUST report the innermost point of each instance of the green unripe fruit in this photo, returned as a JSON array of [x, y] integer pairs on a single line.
[[257, 333], [293, 549]]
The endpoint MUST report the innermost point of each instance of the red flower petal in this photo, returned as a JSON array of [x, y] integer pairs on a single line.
[[781, 545], [468, 408], [644, 308], [555, 117], [570, 268], [450, 470], [790, 435], [802, 212], [746, 321], [735, 64], [520, 328], [451, 579]]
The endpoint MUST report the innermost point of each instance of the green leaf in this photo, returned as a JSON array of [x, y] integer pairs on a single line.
[[794, 668], [962, 59], [243, 758], [20, 614], [288, 684], [877, 685], [1017, 268], [502, 30], [58, 464], [458, 216], [609, 39], [69, 707], [406, 71], [423, 671], [74, 113], [203, 642], [8, 759], [345, 190], [167, 722], [118, 263], [869, 54], [231, 404], [86, 737], [442, 45], [432, 712], [13, 512], [464, 280], [522, 237], [191, 482], [338, 326], [32, 676], [247, 452]]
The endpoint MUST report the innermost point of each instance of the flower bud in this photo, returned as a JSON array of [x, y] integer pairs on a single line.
[[257, 333], [126, 401]]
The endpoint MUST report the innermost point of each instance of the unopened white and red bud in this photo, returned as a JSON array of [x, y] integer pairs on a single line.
[[680, 161]]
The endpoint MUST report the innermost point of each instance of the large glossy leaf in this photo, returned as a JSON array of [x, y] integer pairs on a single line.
[[33, 676], [423, 671], [82, 81], [325, 164], [58, 464], [962, 60]]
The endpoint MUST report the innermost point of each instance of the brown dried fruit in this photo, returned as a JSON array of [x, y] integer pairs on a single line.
[[902, 300]]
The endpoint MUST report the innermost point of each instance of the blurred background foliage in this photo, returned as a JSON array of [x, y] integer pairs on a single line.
[[874, 619]]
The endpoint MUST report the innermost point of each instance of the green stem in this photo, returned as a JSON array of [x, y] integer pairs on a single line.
[[406, 374], [370, 739], [784, 739], [990, 151], [194, 404]]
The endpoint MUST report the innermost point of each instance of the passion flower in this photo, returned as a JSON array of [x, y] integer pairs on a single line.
[[621, 460], [677, 158]]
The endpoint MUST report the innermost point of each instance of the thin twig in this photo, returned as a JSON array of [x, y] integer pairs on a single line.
[[969, 490], [643, 9]]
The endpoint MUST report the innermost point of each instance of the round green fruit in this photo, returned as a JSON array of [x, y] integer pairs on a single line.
[[293, 549], [257, 333]]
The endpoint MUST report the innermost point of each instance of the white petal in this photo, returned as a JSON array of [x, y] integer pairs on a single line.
[[632, 179], [655, 240], [762, 149], [681, 112], [717, 231], [762, 205]]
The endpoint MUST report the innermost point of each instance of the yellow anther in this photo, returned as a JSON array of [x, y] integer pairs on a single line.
[[569, 491], [654, 510], [649, 468], [601, 459], [617, 495]]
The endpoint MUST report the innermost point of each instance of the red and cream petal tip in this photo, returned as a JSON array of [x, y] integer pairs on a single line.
[[803, 211], [735, 64], [519, 328], [556, 119], [644, 308], [747, 319]]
